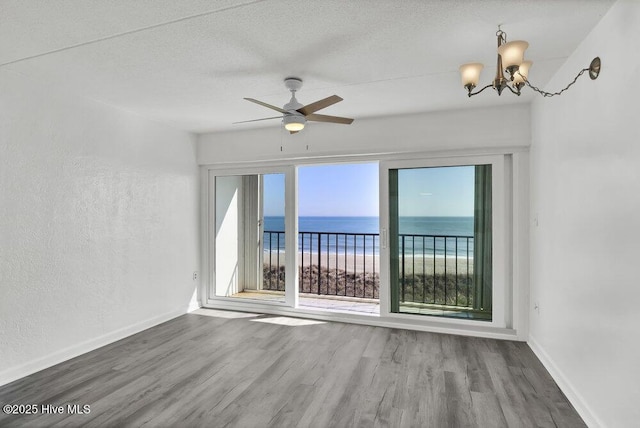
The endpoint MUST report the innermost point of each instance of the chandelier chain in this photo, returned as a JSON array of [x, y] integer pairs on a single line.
[[551, 94]]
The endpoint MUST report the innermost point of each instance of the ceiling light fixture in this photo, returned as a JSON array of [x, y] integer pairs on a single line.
[[294, 122], [511, 60]]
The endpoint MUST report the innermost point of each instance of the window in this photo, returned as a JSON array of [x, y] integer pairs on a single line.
[[300, 237], [440, 241]]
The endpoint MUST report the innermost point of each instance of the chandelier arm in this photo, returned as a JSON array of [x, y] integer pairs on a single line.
[[551, 94], [512, 91], [477, 92]]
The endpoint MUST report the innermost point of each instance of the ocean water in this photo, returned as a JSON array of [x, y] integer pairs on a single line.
[[359, 235]]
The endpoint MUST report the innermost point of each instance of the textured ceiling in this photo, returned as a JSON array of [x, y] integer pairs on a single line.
[[189, 63]]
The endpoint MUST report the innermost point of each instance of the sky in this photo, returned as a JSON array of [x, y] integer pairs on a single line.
[[352, 190], [273, 195], [437, 192]]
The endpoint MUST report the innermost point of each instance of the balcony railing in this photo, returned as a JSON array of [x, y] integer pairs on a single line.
[[433, 269], [436, 269]]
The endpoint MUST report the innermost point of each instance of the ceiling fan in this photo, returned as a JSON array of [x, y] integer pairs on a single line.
[[295, 115]]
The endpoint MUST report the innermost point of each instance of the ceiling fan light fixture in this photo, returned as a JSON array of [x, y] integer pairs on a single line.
[[294, 122]]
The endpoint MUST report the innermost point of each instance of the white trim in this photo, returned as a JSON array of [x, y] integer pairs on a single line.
[[384, 291], [444, 161], [435, 325], [219, 302], [501, 231], [251, 165], [205, 234], [520, 243], [565, 385], [211, 231], [291, 236], [238, 169], [62, 355]]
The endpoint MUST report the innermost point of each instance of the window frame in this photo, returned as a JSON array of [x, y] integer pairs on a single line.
[[513, 192], [500, 240]]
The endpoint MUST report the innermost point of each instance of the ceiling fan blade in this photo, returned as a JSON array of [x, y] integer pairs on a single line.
[[266, 105], [331, 119], [257, 120], [319, 105]]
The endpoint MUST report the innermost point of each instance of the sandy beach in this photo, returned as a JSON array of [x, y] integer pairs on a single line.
[[359, 276], [370, 263]]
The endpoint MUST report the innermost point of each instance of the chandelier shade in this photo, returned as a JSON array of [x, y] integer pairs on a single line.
[[470, 73], [522, 73], [512, 54]]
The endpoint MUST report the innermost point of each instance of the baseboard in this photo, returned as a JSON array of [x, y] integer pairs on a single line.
[[14, 373], [567, 388]]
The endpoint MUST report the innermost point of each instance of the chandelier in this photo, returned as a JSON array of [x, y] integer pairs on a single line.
[[511, 60]]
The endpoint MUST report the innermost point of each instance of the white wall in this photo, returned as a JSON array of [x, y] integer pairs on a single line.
[[585, 187], [98, 224], [497, 127]]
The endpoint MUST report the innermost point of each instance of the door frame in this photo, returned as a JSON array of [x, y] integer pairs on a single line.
[[291, 232], [501, 235]]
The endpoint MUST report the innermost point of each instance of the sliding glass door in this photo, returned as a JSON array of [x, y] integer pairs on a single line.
[[249, 237], [440, 249], [441, 239]]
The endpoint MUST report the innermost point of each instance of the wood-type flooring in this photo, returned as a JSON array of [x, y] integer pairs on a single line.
[[219, 369]]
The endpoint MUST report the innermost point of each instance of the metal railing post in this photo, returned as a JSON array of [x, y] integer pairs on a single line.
[[403, 275], [319, 262]]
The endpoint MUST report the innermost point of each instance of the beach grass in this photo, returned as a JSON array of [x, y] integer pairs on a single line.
[[371, 263], [420, 284]]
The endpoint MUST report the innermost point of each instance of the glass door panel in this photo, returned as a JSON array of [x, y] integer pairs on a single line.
[[440, 241], [249, 257], [338, 239]]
